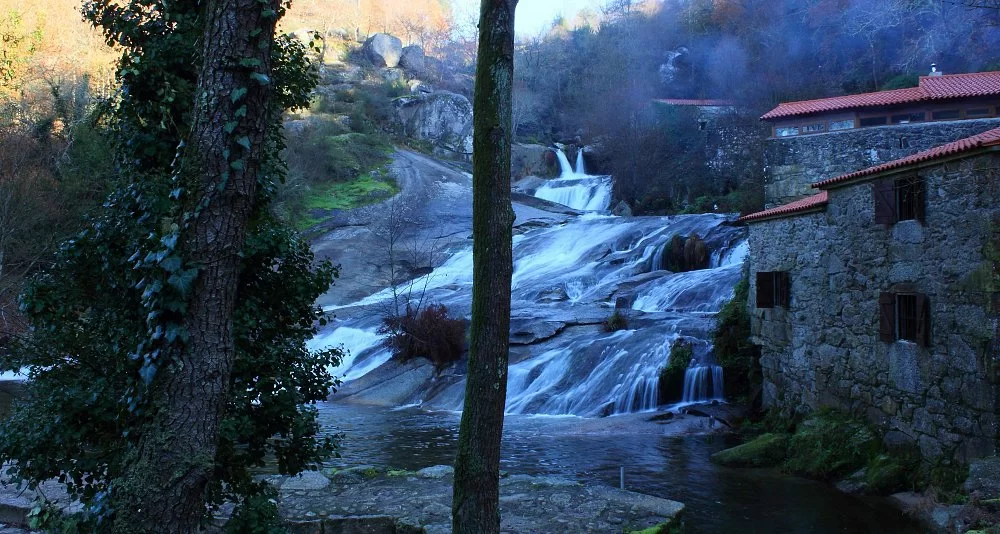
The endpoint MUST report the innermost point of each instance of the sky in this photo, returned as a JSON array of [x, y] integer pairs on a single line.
[[532, 15]]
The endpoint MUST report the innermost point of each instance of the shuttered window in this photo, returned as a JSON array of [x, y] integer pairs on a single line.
[[773, 289], [901, 199], [905, 316]]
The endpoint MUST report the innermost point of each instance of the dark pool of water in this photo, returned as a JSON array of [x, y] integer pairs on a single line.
[[718, 499]]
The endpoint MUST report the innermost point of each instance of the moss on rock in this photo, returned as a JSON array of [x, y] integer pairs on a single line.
[[767, 450], [830, 444]]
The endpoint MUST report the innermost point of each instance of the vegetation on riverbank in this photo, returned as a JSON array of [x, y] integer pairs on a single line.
[[671, 376], [739, 358]]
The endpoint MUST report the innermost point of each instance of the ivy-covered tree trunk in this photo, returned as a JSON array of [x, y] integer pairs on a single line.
[[166, 487], [476, 503]]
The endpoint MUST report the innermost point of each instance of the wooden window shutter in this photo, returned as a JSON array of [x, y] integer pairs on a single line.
[[919, 199], [765, 290], [884, 193], [887, 317], [923, 321], [782, 284]]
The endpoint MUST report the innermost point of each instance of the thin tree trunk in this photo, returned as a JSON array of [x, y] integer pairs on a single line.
[[476, 503], [165, 489]]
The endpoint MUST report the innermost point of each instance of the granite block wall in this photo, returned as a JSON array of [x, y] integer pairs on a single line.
[[793, 163], [824, 350]]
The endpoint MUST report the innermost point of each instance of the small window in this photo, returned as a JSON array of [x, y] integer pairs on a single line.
[[814, 128], [977, 113], [786, 131], [906, 118], [842, 125], [773, 289], [904, 316], [874, 121], [945, 115], [897, 200]]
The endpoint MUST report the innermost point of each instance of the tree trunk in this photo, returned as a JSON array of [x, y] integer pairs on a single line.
[[476, 504], [165, 489]]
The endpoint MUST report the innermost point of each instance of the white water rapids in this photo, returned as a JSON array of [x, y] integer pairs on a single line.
[[575, 188], [567, 280]]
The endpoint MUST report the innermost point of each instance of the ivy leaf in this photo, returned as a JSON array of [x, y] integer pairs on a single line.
[[260, 78], [230, 126], [237, 94], [244, 142], [183, 281], [171, 263]]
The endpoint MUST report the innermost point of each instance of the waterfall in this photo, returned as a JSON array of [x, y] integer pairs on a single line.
[[569, 276], [703, 383], [580, 167], [565, 170], [575, 189]]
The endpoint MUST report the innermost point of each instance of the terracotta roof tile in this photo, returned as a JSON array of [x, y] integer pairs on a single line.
[[985, 139], [930, 88], [805, 204]]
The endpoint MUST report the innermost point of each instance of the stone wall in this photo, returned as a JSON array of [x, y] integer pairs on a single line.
[[824, 350], [793, 163]]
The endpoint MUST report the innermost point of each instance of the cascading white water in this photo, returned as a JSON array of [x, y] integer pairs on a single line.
[[571, 274], [580, 167], [703, 383], [576, 189]]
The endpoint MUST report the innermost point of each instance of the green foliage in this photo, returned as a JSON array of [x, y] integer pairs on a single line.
[[615, 322], [889, 473], [108, 313], [901, 81], [830, 444], [738, 356], [671, 378], [257, 513], [766, 450], [425, 333], [669, 527]]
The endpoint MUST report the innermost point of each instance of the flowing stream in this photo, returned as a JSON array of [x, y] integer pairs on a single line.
[[565, 370], [575, 188]]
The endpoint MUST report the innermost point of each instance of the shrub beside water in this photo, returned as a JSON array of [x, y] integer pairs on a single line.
[[427, 333], [671, 385], [617, 321], [739, 358]]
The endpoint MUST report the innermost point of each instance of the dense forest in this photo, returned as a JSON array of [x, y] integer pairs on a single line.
[[588, 80]]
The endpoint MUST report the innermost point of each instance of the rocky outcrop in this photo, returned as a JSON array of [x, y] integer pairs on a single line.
[[532, 160], [442, 118], [412, 59], [384, 50]]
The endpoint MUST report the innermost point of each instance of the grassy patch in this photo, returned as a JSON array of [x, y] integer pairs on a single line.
[[361, 191], [767, 450]]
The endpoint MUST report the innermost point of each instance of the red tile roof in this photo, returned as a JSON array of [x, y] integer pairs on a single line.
[[806, 204], [694, 102], [930, 88], [985, 139]]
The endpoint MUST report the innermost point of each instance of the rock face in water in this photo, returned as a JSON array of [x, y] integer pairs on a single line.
[[443, 118], [384, 50]]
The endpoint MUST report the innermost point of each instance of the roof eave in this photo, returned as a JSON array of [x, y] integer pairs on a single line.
[[907, 168], [804, 211]]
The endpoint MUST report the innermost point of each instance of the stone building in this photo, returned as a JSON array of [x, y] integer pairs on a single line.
[[815, 140], [878, 295]]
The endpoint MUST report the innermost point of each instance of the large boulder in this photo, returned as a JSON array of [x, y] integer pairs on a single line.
[[384, 50], [412, 59], [442, 118], [532, 160]]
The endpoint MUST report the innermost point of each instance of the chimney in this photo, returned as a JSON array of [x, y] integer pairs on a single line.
[[934, 70]]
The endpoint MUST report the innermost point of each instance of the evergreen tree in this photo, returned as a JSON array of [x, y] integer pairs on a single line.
[[168, 351]]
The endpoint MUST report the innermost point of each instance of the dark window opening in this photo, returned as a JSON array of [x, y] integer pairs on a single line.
[[701, 124], [946, 115], [897, 200], [977, 113], [906, 118], [814, 128], [773, 289], [874, 121], [904, 316], [904, 142]]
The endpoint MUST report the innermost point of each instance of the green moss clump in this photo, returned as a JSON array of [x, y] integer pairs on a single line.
[[767, 450], [672, 526], [739, 358], [886, 474], [671, 383], [617, 321], [830, 444]]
